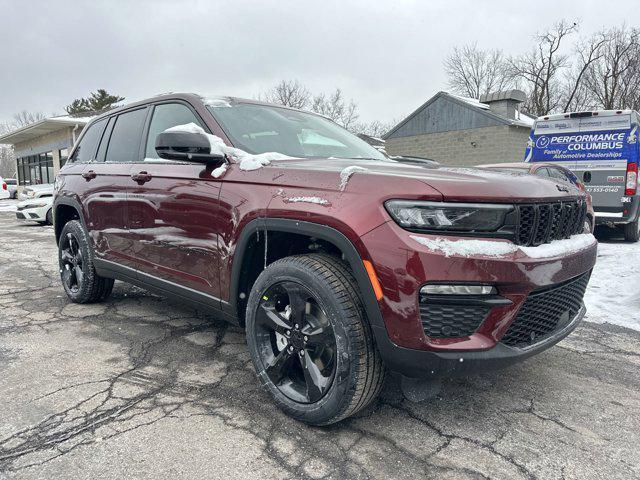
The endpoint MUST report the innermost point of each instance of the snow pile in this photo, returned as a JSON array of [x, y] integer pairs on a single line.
[[218, 172], [493, 248], [346, 173], [559, 248], [216, 102], [317, 200], [247, 161], [467, 248], [613, 293]]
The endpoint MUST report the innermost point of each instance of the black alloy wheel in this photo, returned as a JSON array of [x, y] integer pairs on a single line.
[[296, 342], [72, 261]]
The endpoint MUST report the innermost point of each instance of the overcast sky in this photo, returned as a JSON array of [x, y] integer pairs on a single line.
[[386, 55]]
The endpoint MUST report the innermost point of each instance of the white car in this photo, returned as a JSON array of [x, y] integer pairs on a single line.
[[4, 190], [36, 191], [36, 210]]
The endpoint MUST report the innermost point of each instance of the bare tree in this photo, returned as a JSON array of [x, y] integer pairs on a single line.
[[290, 93], [24, 118], [539, 71], [577, 96], [336, 108], [614, 78], [473, 72], [375, 128]]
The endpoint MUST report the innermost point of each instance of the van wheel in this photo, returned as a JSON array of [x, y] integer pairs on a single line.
[[310, 341], [79, 278], [632, 231]]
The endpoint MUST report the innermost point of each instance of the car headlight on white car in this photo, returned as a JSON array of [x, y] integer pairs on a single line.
[[448, 217]]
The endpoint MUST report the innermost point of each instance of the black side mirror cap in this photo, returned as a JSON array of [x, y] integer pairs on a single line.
[[186, 147]]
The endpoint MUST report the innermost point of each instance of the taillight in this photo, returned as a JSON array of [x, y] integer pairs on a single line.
[[632, 179], [4, 186]]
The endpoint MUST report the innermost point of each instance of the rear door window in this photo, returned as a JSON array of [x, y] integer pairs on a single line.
[[543, 172], [86, 149], [165, 116], [124, 144]]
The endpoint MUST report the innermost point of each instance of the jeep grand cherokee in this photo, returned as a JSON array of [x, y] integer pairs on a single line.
[[340, 263]]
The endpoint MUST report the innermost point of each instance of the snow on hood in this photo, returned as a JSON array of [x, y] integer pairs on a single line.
[[499, 249], [316, 200], [246, 160], [346, 173]]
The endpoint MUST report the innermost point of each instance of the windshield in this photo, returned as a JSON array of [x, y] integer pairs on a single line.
[[260, 128]]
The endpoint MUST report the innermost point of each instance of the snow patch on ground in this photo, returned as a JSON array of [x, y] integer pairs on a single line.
[[613, 293], [246, 161], [346, 173], [467, 248], [8, 207], [560, 247], [317, 200]]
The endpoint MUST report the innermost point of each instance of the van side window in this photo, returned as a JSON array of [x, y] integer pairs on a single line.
[[124, 145], [86, 149], [165, 116]]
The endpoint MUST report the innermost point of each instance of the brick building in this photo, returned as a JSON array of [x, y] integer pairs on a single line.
[[456, 130]]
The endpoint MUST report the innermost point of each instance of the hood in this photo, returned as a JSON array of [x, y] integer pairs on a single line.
[[454, 183]]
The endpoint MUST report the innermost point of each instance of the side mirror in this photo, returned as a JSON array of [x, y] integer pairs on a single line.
[[187, 147]]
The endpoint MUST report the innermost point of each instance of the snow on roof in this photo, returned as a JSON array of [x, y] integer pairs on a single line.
[[471, 101]]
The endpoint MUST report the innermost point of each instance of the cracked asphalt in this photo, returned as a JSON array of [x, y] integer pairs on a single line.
[[139, 387]]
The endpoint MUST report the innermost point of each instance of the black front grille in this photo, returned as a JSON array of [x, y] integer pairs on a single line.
[[544, 312], [20, 215], [544, 222], [450, 320]]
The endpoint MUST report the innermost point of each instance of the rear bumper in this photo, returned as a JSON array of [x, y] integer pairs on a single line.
[[627, 213], [429, 364]]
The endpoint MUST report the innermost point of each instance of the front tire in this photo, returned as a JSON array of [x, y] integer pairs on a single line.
[[49, 217], [310, 341], [632, 231], [79, 278]]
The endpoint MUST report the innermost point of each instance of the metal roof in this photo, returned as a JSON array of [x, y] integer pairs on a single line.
[[42, 127]]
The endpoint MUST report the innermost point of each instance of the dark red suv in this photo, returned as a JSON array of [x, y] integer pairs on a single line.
[[341, 263]]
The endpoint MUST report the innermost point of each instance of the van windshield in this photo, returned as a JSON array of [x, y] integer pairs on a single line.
[[261, 128]]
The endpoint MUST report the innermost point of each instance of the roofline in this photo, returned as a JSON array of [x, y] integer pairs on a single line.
[[70, 122], [603, 113], [441, 93]]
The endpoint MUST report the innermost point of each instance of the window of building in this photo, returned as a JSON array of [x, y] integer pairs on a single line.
[[35, 169], [124, 144]]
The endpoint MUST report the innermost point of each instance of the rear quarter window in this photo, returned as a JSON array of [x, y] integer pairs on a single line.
[[124, 144], [85, 151]]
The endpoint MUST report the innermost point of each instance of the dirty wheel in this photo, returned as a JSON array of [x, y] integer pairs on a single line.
[[309, 339], [632, 231], [79, 278]]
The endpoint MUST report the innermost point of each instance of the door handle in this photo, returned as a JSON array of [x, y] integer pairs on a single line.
[[90, 175], [141, 177]]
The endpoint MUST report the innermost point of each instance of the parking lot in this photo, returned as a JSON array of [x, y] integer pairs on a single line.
[[139, 387]]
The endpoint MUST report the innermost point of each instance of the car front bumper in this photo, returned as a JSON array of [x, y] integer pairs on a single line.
[[37, 214], [403, 265]]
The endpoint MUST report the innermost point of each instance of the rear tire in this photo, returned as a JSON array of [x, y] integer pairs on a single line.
[[632, 231], [329, 291], [79, 278]]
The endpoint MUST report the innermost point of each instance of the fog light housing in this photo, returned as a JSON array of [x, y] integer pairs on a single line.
[[435, 289]]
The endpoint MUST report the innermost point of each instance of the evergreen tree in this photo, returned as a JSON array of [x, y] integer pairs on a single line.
[[98, 100]]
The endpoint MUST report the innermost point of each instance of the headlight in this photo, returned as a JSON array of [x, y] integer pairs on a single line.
[[452, 217]]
